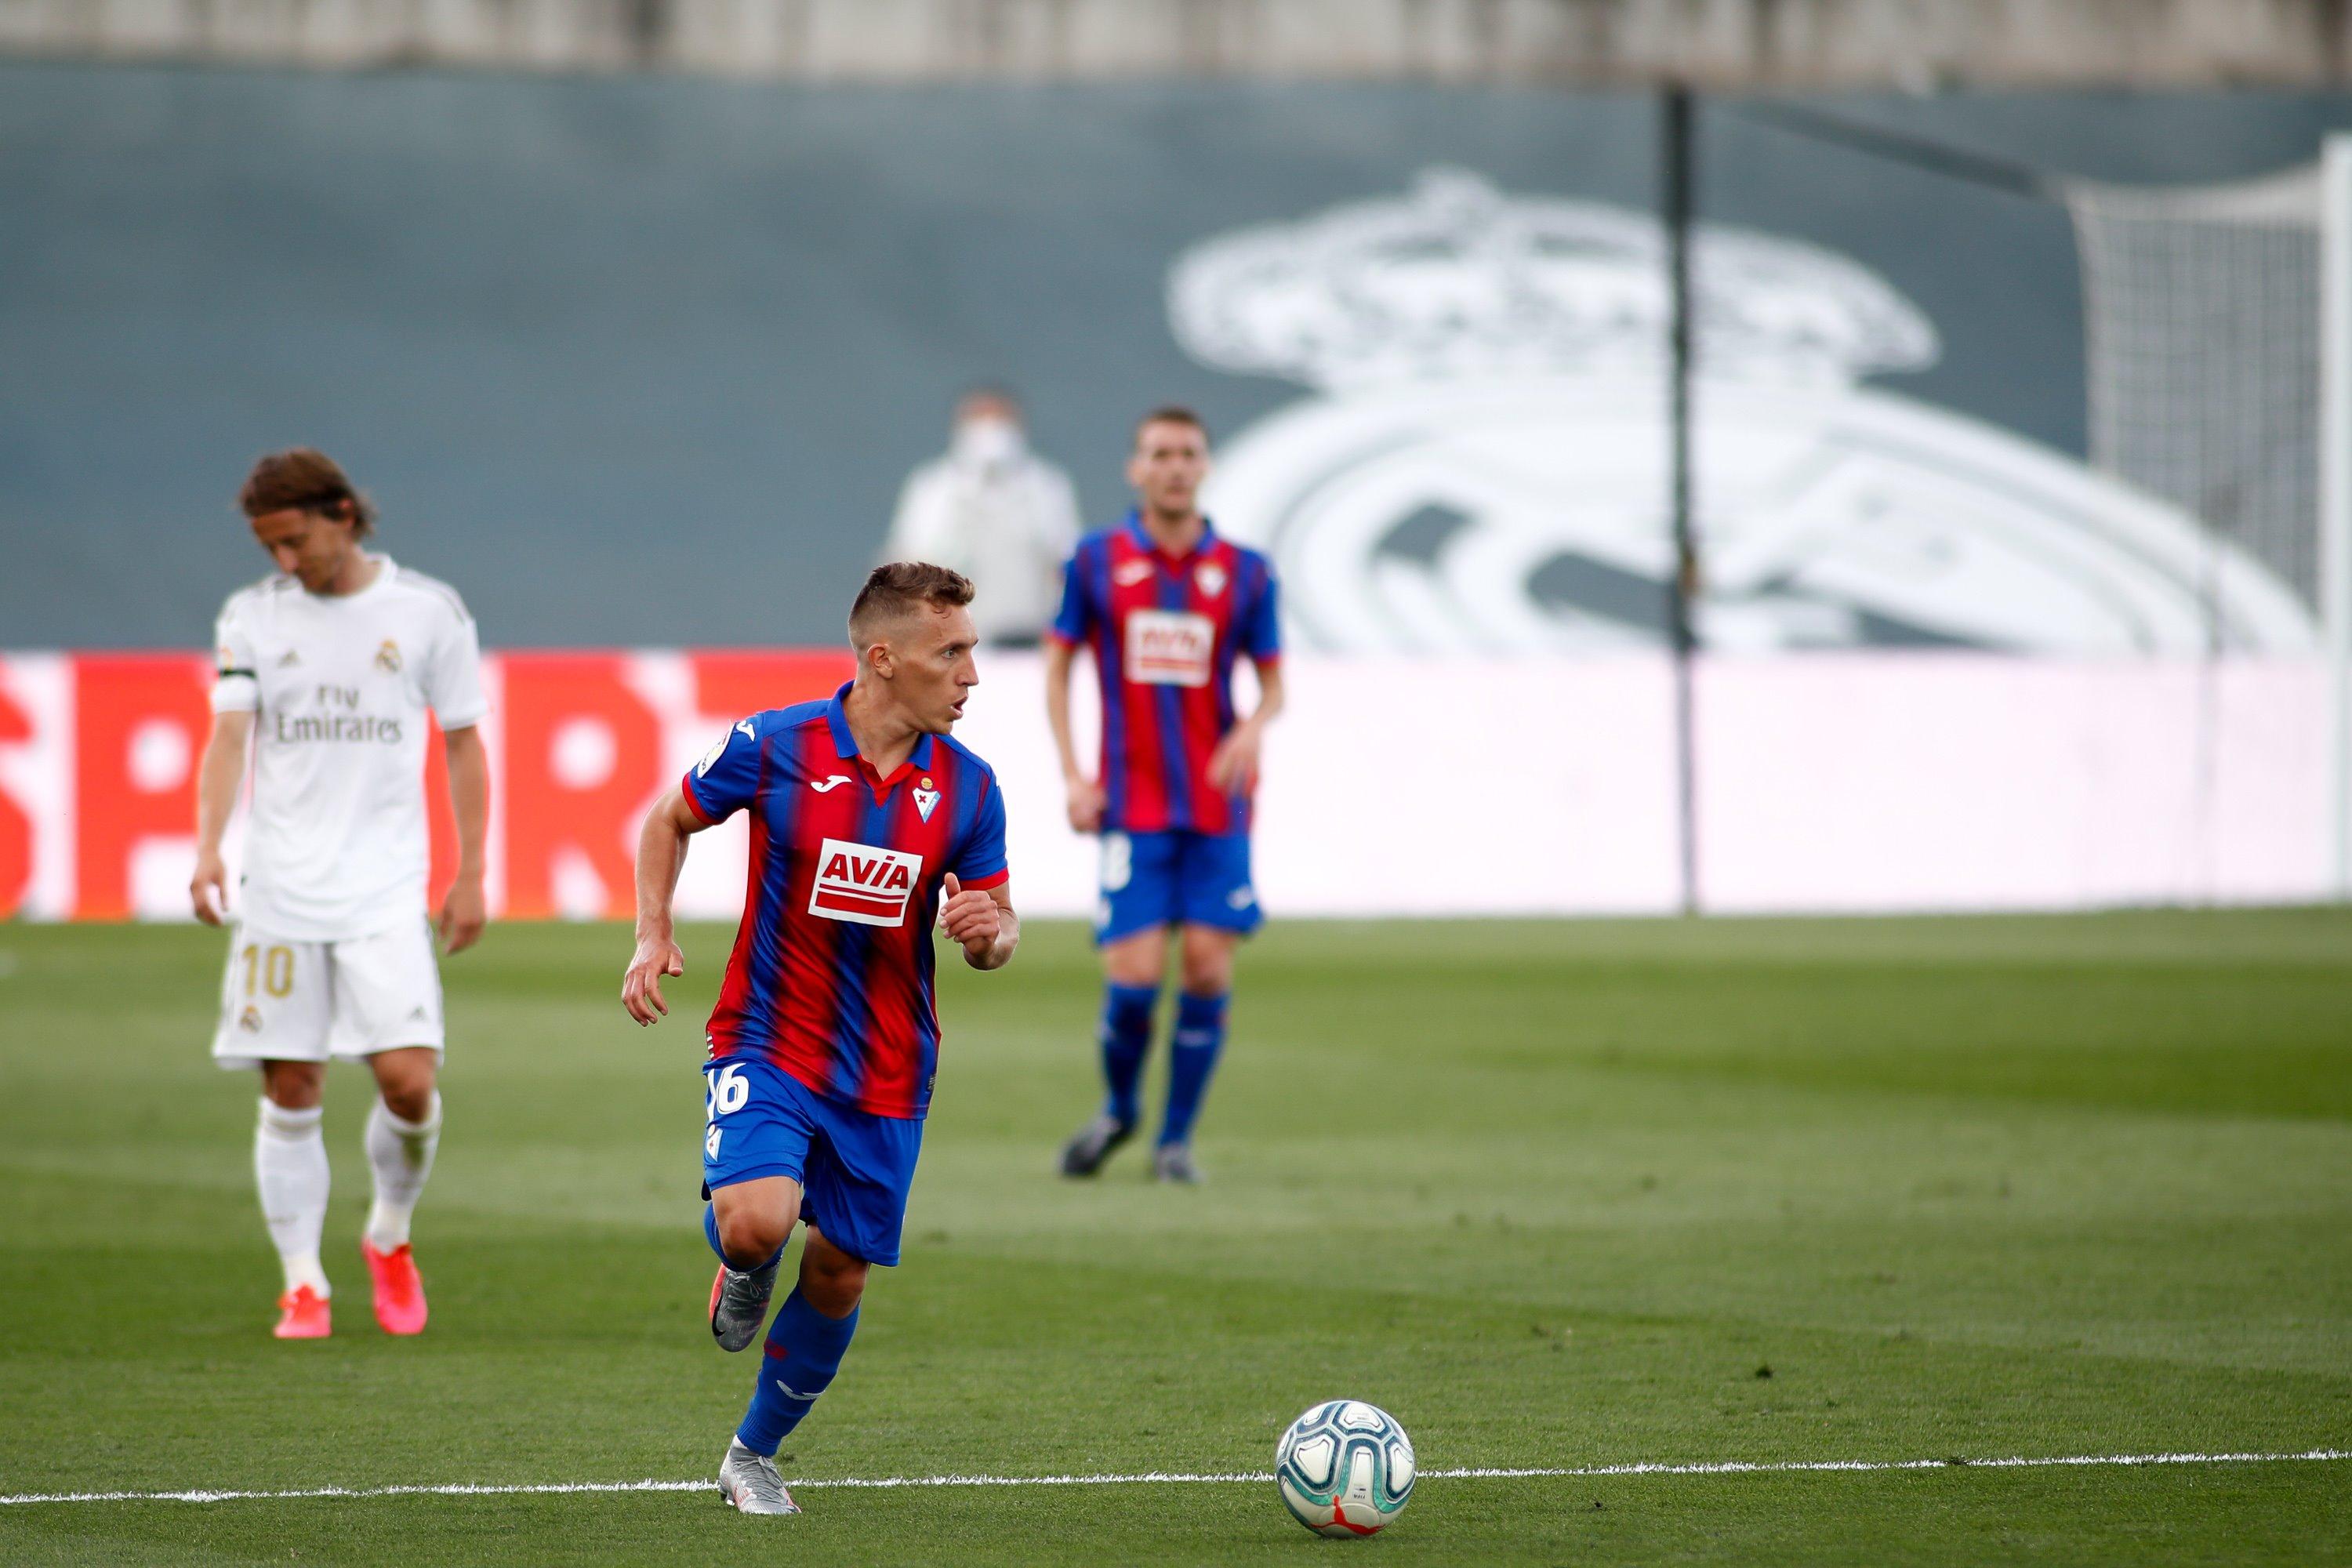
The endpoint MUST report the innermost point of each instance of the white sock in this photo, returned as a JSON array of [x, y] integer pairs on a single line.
[[290, 1165], [400, 1155]]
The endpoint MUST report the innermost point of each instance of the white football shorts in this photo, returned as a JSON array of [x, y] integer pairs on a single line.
[[307, 1001]]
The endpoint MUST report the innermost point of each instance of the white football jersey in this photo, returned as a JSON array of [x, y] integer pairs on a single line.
[[339, 687]]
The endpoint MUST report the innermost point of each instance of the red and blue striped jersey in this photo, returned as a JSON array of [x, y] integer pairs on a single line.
[[831, 975], [1164, 631]]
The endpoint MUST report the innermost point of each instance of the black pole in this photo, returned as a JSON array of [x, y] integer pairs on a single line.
[[1682, 587]]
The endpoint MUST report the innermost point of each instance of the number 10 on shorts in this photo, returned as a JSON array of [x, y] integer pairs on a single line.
[[725, 1091]]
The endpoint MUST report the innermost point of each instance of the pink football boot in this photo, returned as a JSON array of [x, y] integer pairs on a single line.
[[399, 1292], [302, 1314]]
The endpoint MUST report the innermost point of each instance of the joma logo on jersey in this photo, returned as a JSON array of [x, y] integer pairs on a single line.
[[862, 884], [1169, 647]]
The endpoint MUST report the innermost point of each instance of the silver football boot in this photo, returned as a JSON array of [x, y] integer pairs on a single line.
[[1173, 1163], [739, 1303], [1083, 1154], [750, 1484]]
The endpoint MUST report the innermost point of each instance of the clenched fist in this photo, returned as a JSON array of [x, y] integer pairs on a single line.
[[972, 918]]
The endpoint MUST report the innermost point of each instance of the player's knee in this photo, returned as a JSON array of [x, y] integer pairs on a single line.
[[1208, 963], [750, 1235], [1136, 960], [404, 1079], [410, 1099], [833, 1285], [293, 1086]]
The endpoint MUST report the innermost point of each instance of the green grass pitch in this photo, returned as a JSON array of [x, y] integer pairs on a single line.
[[1554, 1194]]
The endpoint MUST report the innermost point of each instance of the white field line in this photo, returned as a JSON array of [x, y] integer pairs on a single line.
[[1148, 1478]]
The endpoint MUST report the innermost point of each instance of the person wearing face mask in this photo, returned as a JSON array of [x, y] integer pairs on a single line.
[[995, 512]]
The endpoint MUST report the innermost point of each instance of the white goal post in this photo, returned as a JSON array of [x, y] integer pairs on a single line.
[[2218, 336], [2335, 495]]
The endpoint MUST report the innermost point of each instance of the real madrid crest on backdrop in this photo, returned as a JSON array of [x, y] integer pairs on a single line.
[[1483, 466]]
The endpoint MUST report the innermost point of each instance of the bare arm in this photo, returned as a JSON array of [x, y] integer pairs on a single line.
[[661, 856], [1085, 795], [1232, 766], [465, 912], [218, 778], [981, 919]]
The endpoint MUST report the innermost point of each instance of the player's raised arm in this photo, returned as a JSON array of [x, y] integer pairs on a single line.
[[218, 781], [661, 856]]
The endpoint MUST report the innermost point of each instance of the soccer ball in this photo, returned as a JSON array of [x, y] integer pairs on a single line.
[[1344, 1469]]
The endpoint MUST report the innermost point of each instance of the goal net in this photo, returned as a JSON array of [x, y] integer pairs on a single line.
[[2218, 323], [2201, 309]]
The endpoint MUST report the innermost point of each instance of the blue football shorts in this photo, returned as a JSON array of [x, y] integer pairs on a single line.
[[855, 1168], [1175, 878]]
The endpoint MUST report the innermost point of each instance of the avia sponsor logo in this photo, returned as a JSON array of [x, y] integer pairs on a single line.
[[1169, 647], [862, 884]]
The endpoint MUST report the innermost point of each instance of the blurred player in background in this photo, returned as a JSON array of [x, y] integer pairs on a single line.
[[995, 512], [329, 670], [1165, 605], [868, 822]]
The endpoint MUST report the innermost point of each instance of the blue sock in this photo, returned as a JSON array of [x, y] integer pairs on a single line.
[[710, 1233], [1125, 1041], [1199, 1035], [804, 1350]]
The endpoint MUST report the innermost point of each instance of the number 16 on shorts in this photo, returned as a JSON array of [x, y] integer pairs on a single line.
[[725, 1089]]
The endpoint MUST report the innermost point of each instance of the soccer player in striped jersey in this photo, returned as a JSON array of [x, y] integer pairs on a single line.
[[868, 825], [1165, 605]]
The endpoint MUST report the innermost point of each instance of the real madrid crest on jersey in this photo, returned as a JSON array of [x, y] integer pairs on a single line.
[[925, 799], [1480, 467], [387, 658]]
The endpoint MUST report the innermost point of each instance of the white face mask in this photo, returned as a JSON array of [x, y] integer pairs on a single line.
[[987, 441]]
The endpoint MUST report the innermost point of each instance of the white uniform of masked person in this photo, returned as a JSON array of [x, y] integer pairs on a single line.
[[997, 512]]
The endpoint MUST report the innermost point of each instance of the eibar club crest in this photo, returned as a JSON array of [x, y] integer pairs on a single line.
[[1482, 466], [927, 799], [1211, 578]]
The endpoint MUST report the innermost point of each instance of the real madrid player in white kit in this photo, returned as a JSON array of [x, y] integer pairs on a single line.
[[328, 671]]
